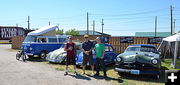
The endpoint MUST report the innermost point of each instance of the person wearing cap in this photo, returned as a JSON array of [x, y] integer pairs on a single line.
[[99, 53], [87, 47], [71, 54]]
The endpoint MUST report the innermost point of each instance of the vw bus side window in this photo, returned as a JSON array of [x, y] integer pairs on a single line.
[[30, 38], [62, 40], [42, 40], [52, 40]]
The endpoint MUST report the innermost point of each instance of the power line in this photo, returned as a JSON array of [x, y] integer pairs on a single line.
[[120, 18], [138, 13]]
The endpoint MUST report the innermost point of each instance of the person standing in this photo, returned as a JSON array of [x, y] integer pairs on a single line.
[[99, 53], [71, 55], [87, 48]]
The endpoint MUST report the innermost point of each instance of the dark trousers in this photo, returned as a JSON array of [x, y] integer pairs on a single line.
[[99, 62]]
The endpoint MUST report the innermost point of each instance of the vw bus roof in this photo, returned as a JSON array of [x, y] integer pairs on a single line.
[[43, 30]]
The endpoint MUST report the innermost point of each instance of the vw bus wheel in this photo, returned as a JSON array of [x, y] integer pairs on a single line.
[[43, 55]]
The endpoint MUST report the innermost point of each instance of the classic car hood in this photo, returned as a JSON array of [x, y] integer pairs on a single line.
[[56, 52], [142, 57]]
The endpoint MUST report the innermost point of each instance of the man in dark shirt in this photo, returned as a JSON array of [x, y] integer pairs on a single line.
[[71, 54], [87, 48]]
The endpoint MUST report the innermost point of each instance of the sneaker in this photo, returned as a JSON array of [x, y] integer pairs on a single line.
[[75, 73], [66, 73]]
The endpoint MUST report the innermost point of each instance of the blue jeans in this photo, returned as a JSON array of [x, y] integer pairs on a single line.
[[99, 62]]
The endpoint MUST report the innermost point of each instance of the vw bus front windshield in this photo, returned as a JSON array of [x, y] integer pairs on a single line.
[[30, 38]]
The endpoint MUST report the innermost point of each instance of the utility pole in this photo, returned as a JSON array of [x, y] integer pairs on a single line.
[[87, 23], [28, 22], [16, 25], [155, 25], [49, 23], [174, 30], [171, 19], [102, 25], [93, 27]]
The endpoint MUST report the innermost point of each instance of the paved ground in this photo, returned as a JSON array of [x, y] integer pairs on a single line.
[[13, 72]]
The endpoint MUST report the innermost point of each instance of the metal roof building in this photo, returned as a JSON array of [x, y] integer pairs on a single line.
[[152, 34]]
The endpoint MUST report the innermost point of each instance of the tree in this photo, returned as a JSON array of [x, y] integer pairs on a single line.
[[72, 32], [179, 32], [60, 32]]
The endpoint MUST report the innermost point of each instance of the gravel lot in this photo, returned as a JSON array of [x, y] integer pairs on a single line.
[[13, 72]]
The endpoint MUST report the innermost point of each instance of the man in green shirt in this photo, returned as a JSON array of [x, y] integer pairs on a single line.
[[99, 52]]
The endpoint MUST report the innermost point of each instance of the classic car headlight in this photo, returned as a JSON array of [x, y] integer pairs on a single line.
[[154, 61], [118, 59]]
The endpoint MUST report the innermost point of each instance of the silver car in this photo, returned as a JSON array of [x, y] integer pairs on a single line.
[[59, 55]]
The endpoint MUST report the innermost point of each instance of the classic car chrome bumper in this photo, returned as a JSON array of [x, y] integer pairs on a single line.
[[136, 72]]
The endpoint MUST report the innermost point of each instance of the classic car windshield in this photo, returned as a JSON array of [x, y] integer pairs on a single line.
[[148, 49], [133, 49], [144, 49]]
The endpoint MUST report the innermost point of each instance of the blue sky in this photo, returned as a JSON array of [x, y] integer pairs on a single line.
[[121, 17]]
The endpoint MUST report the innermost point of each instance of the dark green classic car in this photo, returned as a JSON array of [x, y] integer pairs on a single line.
[[139, 59]]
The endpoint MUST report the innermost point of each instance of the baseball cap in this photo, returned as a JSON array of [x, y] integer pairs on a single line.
[[86, 35]]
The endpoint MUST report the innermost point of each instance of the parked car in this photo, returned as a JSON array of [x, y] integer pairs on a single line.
[[139, 59], [109, 56], [41, 45], [59, 55], [36, 43]]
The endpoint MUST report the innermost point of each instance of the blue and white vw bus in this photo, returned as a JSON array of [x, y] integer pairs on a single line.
[[37, 44]]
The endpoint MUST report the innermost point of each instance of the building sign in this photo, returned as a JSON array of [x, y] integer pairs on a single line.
[[9, 32], [127, 40], [155, 40]]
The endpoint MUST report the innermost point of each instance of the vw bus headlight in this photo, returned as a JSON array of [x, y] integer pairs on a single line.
[[30, 48]]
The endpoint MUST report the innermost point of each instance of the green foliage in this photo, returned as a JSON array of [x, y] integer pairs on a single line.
[[179, 32], [72, 32], [59, 32]]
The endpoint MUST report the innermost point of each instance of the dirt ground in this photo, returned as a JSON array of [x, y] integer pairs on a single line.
[[14, 72]]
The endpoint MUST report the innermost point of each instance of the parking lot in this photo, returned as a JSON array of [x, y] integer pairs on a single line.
[[15, 72]]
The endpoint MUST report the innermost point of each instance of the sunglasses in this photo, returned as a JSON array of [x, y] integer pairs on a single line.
[[69, 38]]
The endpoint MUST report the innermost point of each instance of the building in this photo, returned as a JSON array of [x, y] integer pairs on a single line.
[[83, 32], [152, 34], [7, 32]]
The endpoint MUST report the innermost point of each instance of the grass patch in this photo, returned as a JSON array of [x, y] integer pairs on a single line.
[[167, 62], [126, 79]]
